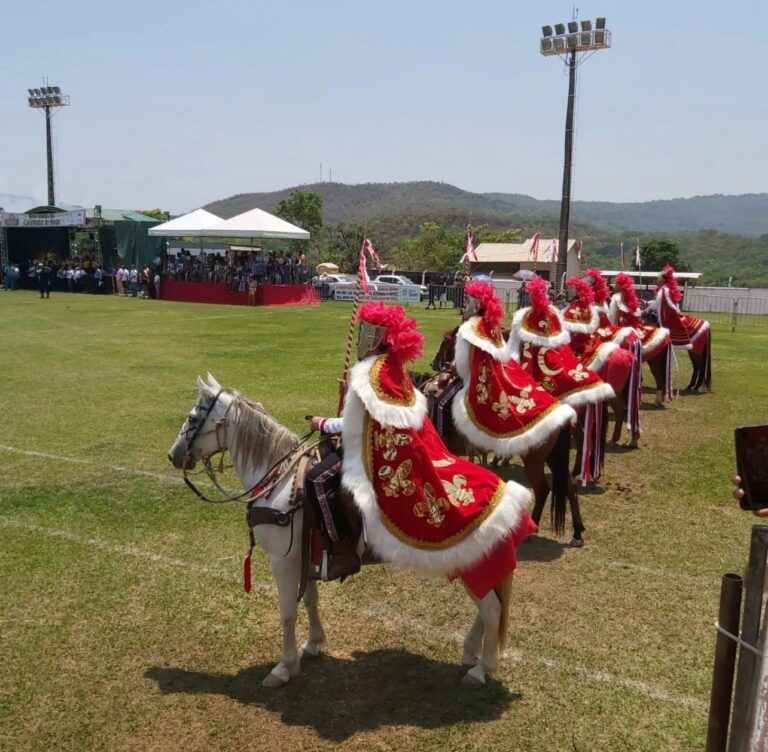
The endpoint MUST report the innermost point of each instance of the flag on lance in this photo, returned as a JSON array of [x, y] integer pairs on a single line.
[[637, 255], [621, 256], [469, 250], [367, 251], [534, 253]]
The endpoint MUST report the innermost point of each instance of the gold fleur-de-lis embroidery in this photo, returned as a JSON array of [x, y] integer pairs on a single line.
[[395, 482], [458, 493], [389, 439], [578, 374], [544, 325], [481, 390], [501, 408], [431, 506]]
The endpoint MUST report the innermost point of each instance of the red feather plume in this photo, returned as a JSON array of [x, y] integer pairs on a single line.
[[626, 287], [668, 272], [493, 310], [584, 291], [599, 286], [537, 289], [403, 337]]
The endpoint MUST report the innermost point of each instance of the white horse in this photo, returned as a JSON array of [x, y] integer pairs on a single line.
[[224, 419]]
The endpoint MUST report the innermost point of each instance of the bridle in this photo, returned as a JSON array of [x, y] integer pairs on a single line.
[[264, 486]]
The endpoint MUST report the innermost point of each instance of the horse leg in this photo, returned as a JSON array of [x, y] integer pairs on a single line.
[[492, 611], [534, 471], [619, 405], [472, 644], [311, 648], [287, 574], [578, 524], [578, 439], [658, 368]]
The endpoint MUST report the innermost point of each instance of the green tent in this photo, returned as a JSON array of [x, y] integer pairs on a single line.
[[132, 243]]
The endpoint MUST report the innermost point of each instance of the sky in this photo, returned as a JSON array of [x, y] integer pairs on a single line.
[[176, 104]]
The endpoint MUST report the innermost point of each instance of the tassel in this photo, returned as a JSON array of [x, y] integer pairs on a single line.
[[247, 563]]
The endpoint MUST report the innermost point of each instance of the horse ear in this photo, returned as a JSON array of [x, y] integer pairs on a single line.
[[212, 381], [202, 386]]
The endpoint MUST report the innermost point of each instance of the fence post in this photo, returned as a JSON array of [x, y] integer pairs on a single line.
[[734, 314]]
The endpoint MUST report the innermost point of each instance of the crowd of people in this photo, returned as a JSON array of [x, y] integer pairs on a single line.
[[237, 269]]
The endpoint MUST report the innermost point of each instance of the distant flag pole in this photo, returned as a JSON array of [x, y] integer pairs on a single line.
[[621, 253], [580, 254], [638, 263], [362, 289]]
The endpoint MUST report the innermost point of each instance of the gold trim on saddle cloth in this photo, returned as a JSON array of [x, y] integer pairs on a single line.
[[509, 434], [432, 507], [408, 401]]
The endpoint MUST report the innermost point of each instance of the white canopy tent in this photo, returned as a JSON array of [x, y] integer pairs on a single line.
[[187, 226], [255, 223]]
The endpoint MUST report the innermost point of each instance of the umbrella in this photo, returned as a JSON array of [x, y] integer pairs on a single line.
[[524, 275], [327, 268]]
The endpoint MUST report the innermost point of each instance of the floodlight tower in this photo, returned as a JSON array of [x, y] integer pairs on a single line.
[[574, 47], [50, 99]]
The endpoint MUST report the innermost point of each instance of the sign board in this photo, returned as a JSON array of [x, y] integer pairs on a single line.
[[61, 219], [390, 293]]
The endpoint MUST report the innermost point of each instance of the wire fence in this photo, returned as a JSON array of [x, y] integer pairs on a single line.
[[730, 311]]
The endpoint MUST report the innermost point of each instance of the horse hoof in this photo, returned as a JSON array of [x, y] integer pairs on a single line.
[[576, 542], [275, 681], [467, 666], [475, 677], [310, 650]]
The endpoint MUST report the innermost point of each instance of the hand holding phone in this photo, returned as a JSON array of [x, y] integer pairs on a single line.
[[752, 467]]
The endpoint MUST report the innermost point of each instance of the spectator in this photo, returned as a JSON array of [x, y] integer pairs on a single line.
[[157, 285], [70, 274], [133, 278], [98, 277], [44, 280]]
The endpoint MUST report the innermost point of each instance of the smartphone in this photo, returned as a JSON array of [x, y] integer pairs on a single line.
[[752, 465]]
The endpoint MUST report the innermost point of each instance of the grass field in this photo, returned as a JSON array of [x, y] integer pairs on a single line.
[[123, 625]]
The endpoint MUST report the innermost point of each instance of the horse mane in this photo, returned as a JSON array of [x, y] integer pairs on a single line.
[[258, 438]]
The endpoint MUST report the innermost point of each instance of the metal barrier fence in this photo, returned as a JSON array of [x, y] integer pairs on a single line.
[[733, 312]]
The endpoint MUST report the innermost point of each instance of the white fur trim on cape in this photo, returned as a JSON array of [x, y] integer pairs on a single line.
[[654, 342], [601, 356], [535, 436], [467, 334], [437, 562], [622, 334], [588, 328], [597, 393], [518, 335], [616, 306], [399, 416]]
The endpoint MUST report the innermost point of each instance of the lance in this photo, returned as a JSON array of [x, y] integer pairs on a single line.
[[352, 320]]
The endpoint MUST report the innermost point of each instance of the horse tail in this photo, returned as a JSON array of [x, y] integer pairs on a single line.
[[558, 464], [504, 594]]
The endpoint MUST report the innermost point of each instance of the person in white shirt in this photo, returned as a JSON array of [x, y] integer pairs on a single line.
[[133, 277]]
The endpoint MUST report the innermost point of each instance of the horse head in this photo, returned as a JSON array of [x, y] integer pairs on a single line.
[[446, 353], [199, 437]]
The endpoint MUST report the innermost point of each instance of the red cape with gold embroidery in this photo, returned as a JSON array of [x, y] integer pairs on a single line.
[[550, 361], [582, 323], [654, 339], [500, 408], [423, 507], [686, 332]]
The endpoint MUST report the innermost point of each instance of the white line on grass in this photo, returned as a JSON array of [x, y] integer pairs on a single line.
[[391, 620], [613, 564], [78, 461]]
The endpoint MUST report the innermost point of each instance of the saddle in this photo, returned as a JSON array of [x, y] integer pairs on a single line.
[[440, 391]]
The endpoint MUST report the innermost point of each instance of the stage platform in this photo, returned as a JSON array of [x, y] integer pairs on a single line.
[[216, 292]]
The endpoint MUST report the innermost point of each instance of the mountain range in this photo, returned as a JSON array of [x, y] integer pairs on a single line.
[[745, 215]]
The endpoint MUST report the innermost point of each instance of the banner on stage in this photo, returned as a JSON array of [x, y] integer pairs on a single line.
[[62, 219]]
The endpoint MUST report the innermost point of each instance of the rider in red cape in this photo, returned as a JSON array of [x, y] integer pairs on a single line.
[[687, 332], [606, 330], [421, 506], [624, 310], [539, 342], [500, 407]]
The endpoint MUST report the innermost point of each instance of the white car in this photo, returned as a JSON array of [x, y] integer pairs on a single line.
[[396, 279], [334, 279]]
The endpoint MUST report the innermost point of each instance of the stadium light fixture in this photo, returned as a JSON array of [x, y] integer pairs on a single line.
[[546, 31], [573, 46], [49, 99]]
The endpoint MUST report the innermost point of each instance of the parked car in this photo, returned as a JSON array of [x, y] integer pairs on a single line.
[[396, 279], [334, 279]]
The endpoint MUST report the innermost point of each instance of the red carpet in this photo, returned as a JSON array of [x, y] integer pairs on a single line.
[[215, 292]]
